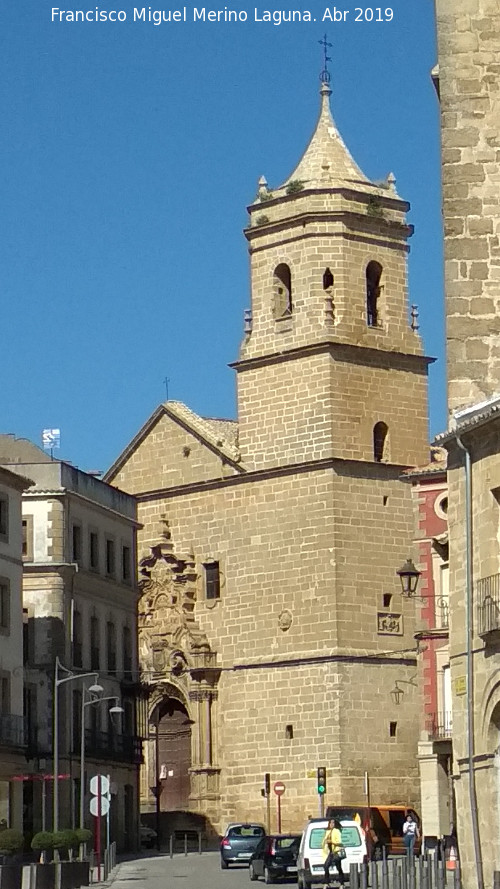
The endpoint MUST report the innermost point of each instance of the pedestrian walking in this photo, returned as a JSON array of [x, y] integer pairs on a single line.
[[333, 850], [410, 833]]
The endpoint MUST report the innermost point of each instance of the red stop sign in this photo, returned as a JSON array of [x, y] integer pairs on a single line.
[[279, 788]]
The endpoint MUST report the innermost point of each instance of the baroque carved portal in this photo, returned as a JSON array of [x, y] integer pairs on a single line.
[[179, 667]]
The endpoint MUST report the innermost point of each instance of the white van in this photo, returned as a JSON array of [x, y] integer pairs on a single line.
[[310, 860]]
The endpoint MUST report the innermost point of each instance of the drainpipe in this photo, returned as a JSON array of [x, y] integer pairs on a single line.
[[470, 670]]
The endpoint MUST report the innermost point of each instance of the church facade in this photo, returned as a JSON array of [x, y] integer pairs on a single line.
[[272, 628]]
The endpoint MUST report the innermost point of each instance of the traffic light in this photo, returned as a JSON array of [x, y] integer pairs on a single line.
[[267, 784], [321, 780]]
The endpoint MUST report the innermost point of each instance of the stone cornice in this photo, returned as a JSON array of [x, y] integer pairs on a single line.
[[377, 470], [352, 352], [360, 226]]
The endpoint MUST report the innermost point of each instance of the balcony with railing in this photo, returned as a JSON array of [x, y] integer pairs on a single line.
[[439, 726], [12, 731], [113, 746], [487, 591]]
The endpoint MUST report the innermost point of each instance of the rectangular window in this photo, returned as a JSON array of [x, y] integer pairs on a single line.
[[77, 718], [127, 653], [27, 545], [111, 646], [95, 660], [212, 580], [77, 640], [4, 604], [126, 567], [76, 543], [94, 550], [4, 695], [4, 517], [110, 556]]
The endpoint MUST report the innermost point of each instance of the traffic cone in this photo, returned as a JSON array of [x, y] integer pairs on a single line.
[[451, 863]]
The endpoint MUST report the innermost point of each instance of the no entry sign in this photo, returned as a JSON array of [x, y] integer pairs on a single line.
[[279, 788]]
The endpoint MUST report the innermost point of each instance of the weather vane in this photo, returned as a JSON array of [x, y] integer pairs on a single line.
[[325, 74]]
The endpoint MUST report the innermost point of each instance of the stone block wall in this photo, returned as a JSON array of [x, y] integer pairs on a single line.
[[468, 46]]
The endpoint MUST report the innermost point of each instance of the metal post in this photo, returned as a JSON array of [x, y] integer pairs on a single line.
[[185, 844], [171, 845], [279, 812], [98, 831], [82, 759], [157, 779], [373, 875], [44, 802], [268, 807], [55, 742], [199, 842]]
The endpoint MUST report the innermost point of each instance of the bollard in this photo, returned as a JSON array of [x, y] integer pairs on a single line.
[[425, 875], [385, 870], [363, 876], [412, 875], [441, 876], [353, 876], [171, 844], [199, 842], [457, 882], [496, 879], [185, 844], [373, 875], [406, 864]]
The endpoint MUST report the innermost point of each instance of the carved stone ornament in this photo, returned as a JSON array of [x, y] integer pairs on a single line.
[[285, 620], [170, 640], [389, 624]]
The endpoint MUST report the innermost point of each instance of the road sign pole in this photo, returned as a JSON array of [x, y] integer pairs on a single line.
[[279, 813], [268, 805], [98, 837]]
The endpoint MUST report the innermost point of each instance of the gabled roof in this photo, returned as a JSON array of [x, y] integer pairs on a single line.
[[219, 435]]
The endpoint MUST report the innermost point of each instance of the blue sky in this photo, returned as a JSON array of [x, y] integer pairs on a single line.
[[128, 154]]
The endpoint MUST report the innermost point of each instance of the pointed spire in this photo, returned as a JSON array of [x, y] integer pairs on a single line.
[[326, 159]]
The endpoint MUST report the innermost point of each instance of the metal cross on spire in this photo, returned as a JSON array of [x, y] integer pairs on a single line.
[[325, 74]]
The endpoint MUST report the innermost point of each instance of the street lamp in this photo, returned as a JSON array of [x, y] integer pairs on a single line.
[[70, 677], [409, 577], [94, 691]]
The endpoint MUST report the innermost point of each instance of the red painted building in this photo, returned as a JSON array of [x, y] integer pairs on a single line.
[[432, 603]]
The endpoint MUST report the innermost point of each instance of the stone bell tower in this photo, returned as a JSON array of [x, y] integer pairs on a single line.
[[330, 365]]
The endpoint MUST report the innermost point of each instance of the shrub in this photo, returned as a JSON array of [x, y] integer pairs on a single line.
[[265, 196], [295, 186], [42, 842], [83, 834], [11, 841], [261, 220], [65, 840]]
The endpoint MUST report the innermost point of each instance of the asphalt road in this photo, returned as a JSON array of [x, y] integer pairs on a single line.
[[194, 871], [191, 872]]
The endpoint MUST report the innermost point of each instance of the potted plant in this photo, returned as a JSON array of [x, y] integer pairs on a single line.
[[43, 842], [43, 873], [11, 873]]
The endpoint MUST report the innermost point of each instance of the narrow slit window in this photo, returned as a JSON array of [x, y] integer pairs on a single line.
[[392, 729], [327, 280], [373, 289], [282, 301], [380, 431], [212, 580]]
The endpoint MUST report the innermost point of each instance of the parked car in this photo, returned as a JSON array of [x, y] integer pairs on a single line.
[[239, 843], [148, 837], [275, 857], [310, 859], [383, 826]]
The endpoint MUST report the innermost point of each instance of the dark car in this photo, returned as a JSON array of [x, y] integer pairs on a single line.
[[239, 843], [275, 857]]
